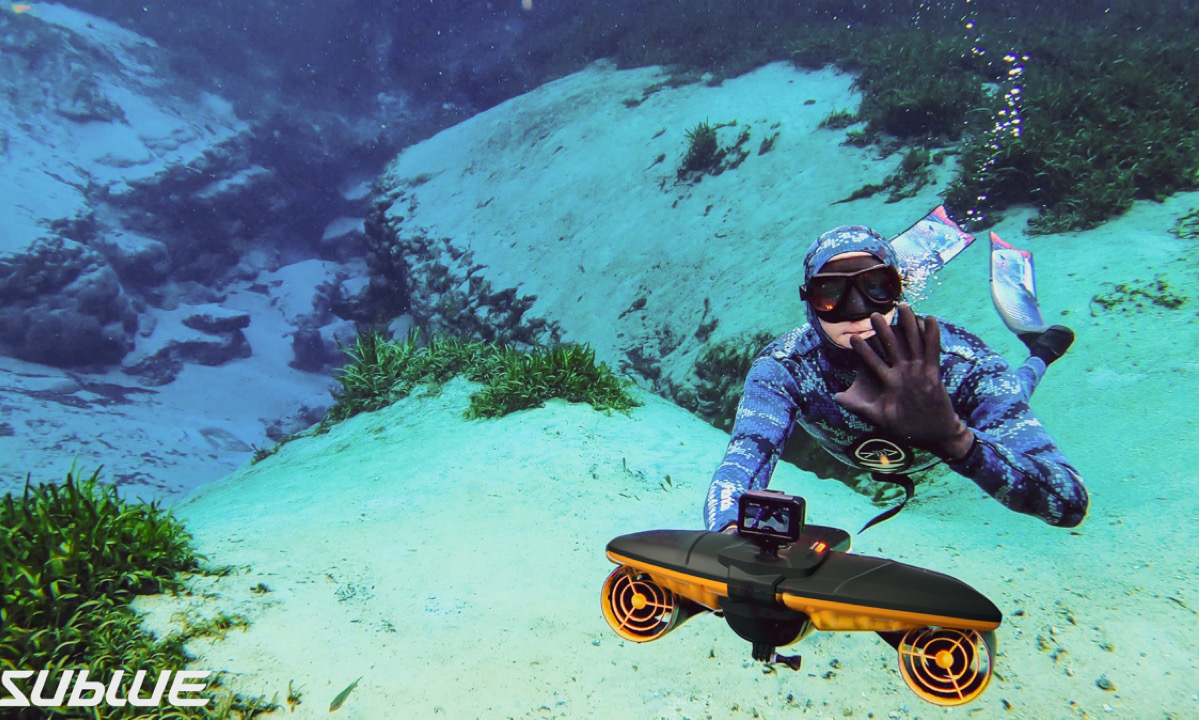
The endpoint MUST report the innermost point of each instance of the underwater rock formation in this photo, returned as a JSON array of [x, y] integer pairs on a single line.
[[203, 334], [62, 304], [92, 134]]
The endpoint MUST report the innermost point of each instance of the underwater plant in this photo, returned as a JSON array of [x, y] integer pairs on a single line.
[[72, 557], [570, 372], [1078, 134], [706, 156], [383, 371], [1128, 297], [839, 119], [768, 142], [379, 373], [914, 172], [917, 89], [262, 453], [703, 151], [1187, 226], [1102, 126]]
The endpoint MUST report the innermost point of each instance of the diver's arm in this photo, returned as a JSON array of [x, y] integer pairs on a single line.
[[1013, 458], [765, 418]]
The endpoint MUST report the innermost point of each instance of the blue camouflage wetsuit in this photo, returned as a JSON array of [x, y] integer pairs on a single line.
[[792, 382]]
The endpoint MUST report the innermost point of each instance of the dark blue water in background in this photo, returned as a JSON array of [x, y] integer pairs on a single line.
[[285, 63]]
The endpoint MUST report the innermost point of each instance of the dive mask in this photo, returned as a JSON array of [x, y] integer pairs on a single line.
[[880, 286]]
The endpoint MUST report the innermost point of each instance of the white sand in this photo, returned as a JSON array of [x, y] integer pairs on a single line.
[[456, 565]]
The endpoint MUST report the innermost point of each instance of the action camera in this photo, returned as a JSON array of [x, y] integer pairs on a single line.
[[771, 517]]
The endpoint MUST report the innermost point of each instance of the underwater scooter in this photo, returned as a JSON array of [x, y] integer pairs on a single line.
[[778, 579]]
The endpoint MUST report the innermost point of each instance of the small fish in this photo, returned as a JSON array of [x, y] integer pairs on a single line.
[[341, 696], [21, 7]]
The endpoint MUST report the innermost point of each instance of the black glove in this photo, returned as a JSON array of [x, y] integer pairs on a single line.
[[900, 390]]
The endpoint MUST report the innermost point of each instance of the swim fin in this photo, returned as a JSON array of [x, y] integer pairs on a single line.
[[928, 246], [1014, 288]]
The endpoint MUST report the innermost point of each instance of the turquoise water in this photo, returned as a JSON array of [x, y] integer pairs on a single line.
[[204, 202]]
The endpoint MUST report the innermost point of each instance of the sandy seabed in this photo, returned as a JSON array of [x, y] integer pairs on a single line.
[[456, 567]]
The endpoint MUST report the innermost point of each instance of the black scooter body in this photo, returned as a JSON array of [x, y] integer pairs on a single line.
[[832, 575], [773, 592]]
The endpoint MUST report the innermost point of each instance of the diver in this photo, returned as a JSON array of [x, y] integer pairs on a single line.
[[886, 391]]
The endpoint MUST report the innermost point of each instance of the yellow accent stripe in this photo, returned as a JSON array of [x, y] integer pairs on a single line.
[[832, 615]]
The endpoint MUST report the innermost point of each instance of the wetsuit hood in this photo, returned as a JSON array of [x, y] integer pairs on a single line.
[[843, 239]]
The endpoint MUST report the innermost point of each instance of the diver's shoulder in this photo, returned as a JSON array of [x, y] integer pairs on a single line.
[[796, 343], [957, 340]]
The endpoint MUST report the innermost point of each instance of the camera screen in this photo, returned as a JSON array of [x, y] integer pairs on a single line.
[[763, 518], [769, 515]]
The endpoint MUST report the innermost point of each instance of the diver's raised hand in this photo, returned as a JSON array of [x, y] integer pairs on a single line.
[[901, 391]]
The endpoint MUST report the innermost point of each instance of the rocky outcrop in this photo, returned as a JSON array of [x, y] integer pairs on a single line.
[[344, 239], [446, 292], [203, 334], [62, 304], [138, 260], [120, 162], [91, 133]]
